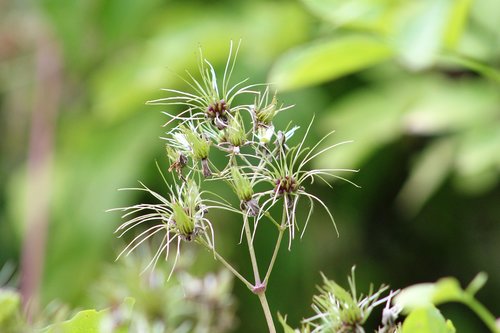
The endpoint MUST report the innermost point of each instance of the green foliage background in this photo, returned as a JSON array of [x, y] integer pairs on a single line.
[[413, 83]]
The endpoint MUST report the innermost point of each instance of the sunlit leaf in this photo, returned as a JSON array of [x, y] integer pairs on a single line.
[[426, 294], [286, 327], [361, 14], [421, 32], [426, 320], [327, 60], [456, 23], [10, 304], [87, 321]]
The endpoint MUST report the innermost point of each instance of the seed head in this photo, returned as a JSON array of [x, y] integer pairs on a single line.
[[235, 131], [199, 145], [265, 115], [286, 184], [183, 221], [241, 185]]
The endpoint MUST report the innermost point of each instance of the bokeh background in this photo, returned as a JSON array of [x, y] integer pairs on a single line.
[[415, 84]]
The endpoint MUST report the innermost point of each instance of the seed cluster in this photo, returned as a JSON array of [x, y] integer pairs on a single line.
[[217, 113], [286, 184]]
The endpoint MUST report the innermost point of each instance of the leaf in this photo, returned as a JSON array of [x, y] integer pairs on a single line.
[[87, 321], [10, 302], [421, 32], [427, 320], [457, 22], [426, 294], [286, 327], [416, 296], [431, 169], [327, 60], [363, 14], [473, 65], [447, 290]]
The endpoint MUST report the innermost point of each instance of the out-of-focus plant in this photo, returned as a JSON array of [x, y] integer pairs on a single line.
[[341, 311], [191, 304], [430, 72], [262, 166], [134, 302]]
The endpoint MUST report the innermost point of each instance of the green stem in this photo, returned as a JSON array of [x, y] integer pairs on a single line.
[[275, 254], [253, 259], [482, 313], [267, 312], [228, 265], [269, 216], [281, 229], [259, 289]]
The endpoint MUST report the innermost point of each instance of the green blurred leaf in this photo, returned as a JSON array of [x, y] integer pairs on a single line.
[[416, 296], [130, 78], [327, 60], [427, 320], [421, 31], [456, 24], [425, 294], [286, 327], [447, 290], [373, 15], [86, 321], [430, 170], [10, 305], [478, 163], [473, 65]]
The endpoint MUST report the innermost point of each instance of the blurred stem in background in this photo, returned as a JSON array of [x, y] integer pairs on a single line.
[[47, 96]]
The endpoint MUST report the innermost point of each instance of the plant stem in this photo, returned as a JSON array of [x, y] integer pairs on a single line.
[[281, 229], [275, 254], [267, 312], [259, 288], [488, 319], [248, 234], [228, 265]]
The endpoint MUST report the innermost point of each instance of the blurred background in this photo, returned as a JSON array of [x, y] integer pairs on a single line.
[[415, 84]]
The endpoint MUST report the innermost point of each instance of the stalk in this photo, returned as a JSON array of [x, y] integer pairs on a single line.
[[259, 288]]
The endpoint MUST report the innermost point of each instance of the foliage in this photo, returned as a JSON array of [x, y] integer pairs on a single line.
[[339, 310], [413, 84]]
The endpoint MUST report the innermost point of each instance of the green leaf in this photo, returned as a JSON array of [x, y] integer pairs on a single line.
[[416, 296], [456, 23], [286, 327], [431, 169], [427, 294], [426, 320], [87, 321], [10, 302], [473, 65], [361, 14], [421, 32], [447, 290], [327, 60]]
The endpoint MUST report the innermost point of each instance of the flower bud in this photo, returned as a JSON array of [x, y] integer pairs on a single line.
[[183, 221], [241, 185], [235, 132], [266, 114], [199, 145]]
